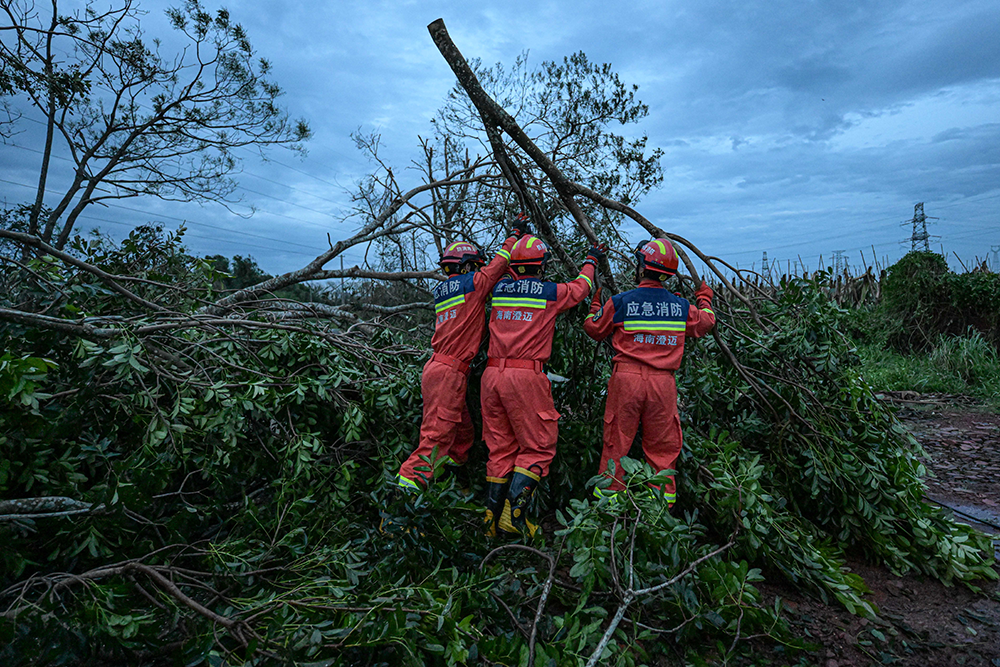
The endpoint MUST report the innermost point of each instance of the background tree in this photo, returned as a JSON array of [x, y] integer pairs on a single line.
[[134, 121], [579, 113]]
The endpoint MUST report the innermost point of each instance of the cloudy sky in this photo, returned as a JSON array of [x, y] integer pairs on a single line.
[[796, 128]]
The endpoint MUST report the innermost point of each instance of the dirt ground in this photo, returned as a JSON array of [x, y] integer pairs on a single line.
[[923, 622]]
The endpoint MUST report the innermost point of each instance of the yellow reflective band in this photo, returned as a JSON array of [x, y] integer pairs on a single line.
[[454, 245], [406, 483], [519, 302], [663, 325], [589, 281], [589, 317], [503, 253], [531, 241], [660, 245], [450, 303], [525, 471], [604, 493], [708, 310], [497, 480]]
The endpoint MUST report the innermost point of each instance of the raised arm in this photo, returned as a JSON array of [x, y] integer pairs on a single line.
[[701, 318], [600, 323], [571, 293], [487, 277]]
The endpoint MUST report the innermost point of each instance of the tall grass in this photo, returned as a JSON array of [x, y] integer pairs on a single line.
[[966, 364]]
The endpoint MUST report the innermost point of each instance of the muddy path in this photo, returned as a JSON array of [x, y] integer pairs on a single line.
[[923, 623]]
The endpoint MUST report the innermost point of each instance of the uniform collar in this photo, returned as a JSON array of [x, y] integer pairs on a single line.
[[649, 282]]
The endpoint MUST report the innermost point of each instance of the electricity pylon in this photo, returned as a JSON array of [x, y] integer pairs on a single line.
[[920, 239]]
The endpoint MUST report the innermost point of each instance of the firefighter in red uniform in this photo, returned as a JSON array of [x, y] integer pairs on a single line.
[[520, 422], [647, 326], [460, 304]]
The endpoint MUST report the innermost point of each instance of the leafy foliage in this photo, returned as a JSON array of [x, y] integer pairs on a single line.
[[235, 501], [923, 300]]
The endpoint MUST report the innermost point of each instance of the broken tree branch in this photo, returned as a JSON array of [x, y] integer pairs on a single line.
[[495, 115]]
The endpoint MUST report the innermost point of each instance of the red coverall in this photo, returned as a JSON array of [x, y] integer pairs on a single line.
[[520, 422], [648, 325], [460, 304]]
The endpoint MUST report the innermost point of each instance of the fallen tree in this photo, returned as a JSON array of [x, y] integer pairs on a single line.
[[225, 460]]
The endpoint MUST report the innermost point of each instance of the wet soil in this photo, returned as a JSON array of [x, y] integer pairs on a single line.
[[922, 622]]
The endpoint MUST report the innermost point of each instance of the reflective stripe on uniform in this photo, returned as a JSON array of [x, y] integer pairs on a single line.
[[503, 253], [519, 302], [708, 310], [406, 483], [450, 303], [589, 281], [654, 325], [525, 471]]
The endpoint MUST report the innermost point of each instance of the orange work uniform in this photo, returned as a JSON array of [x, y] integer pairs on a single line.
[[460, 305], [520, 422], [647, 326]]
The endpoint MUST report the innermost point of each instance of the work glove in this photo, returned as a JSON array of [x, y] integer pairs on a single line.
[[596, 254], [521, 226], [703, 296]]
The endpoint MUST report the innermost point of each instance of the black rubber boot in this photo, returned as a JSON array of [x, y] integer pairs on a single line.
[[522, 488], [496, 502]]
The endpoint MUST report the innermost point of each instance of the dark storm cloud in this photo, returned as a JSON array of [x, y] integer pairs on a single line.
[[802, 67], [780, 119]]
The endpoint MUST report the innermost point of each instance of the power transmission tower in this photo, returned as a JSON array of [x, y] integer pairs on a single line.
[[920, 239], [764, 266], [996, 257], [839, 261]]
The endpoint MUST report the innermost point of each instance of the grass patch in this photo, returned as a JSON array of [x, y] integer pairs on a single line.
[[967, 365]]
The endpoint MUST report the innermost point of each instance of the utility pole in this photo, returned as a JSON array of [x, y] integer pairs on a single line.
[[920, 239]]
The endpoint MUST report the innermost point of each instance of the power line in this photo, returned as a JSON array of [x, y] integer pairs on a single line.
[[199, 236], [290, 187], [261, 194], [247, 150], [182, 220]]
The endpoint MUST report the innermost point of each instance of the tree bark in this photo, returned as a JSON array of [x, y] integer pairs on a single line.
[[493, 114]]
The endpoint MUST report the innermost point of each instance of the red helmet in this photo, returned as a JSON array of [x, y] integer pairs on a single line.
[[657, 256], [529, 251], [460, 252]]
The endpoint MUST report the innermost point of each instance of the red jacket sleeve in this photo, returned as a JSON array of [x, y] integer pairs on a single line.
[[600, 323], [487, 277], [571, 293], [699, 322]]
